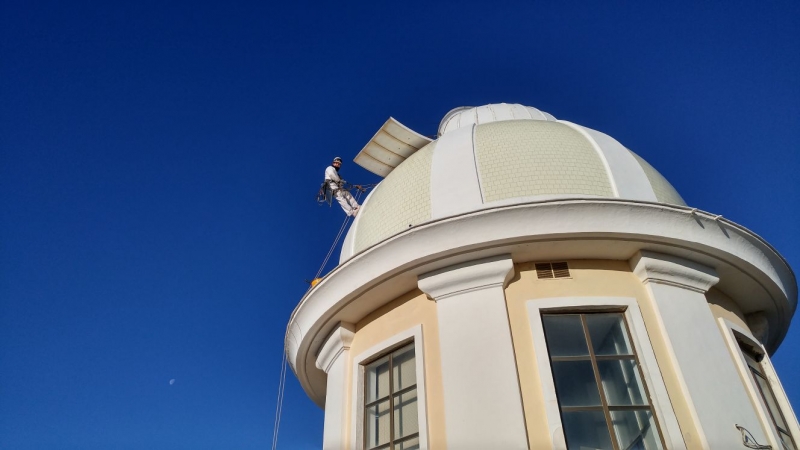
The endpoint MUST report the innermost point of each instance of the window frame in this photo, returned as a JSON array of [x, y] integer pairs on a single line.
[[662, 411], [736, 336], [595, 360], [390, 397], [360, 361]]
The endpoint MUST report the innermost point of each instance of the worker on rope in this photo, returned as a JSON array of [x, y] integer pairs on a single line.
[[337, 186]]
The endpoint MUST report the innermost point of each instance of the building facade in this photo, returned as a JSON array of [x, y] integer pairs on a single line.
[[523, 282]]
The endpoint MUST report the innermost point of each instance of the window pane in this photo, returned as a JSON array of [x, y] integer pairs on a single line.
[[377, 426], [636, 430], [411, 444], [607, 332], [769, 399], [621, 382], [575, 383], [406, 421], [586, 430], [377, 379], [787, 441], [404, 370], [564, 334]]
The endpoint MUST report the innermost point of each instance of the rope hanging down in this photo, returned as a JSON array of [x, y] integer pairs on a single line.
[[279, 406], [325, 194], [336, 241]]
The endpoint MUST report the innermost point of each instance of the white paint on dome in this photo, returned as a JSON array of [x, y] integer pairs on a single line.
[[465, 116], [664, 191], [629, 177], [498, 155], [454, 187]]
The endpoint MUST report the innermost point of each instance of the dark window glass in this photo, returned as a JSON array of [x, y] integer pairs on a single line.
[[604, 403], [391, 419], [767, 396]]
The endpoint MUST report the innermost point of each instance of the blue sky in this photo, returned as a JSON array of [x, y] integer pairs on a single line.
[[159, 160]]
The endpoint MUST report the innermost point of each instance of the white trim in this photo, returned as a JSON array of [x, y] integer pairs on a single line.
[[480, 384], [455, 188], [578, 228], [652, 267], [333, 360], [338, 343], [469, 276], [780, 395], [628, 174], [599, 152], [662, 406], [732, 333], [676, 368], [477, 165], [357, 409]]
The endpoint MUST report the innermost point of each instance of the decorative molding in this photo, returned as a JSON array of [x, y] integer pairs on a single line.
[[577, 228], [652, 267], [469, 276], [337, 342]]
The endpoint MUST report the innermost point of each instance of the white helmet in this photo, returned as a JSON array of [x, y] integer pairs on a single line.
[[337, 159]]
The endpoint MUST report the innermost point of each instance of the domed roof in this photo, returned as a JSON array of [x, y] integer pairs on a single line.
[[498, 155], [465, 116]]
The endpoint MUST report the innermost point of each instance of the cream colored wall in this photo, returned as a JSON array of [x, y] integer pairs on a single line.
[[589, 278], [723, 306], [411, 309]]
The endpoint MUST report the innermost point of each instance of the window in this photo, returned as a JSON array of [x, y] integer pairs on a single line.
[[767, 396], [598, 379], [391, 419]]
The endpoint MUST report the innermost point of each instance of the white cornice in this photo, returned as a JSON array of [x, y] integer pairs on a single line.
[[467, 276], [338, 342], [750, 271], [652, 267]]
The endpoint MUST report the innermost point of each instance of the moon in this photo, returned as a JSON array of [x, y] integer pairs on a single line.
[[172, 381]]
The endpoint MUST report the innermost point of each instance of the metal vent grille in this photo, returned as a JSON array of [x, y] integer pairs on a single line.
[[552, 270], [544, 270], [560, 269]]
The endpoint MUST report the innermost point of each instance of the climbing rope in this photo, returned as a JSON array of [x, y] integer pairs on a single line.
[[336, 241], [279, 406], [325, 194]]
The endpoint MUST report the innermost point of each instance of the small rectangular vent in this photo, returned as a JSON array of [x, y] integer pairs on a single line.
[[560, 270], [552, 270], [544, 270]]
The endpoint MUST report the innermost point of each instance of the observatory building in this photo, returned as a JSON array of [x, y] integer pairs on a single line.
[[523, 282]]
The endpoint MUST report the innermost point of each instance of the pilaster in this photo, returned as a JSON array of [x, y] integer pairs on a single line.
[[332, 359], [711, 387], [483, 406]]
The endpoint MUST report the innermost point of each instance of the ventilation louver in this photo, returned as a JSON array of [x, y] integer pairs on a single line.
[[552, 270]]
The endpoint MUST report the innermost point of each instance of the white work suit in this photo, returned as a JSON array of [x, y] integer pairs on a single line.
[[335, 183]]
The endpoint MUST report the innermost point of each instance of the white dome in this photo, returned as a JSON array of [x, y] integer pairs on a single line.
[[465, 116], [497, 155]]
